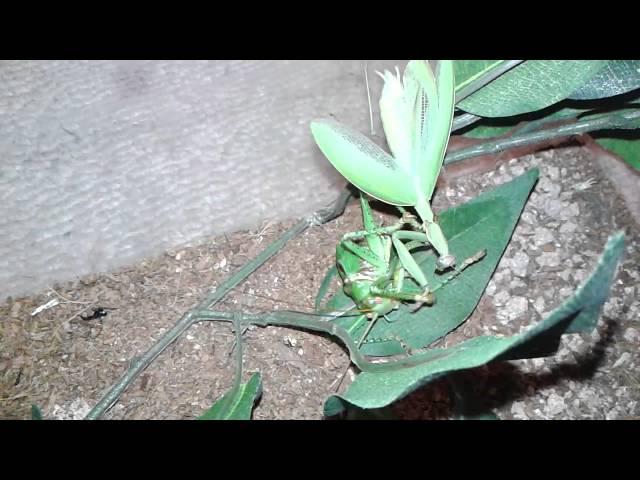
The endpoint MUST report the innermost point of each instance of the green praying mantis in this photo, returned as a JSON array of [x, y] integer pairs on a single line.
[[417, 114]]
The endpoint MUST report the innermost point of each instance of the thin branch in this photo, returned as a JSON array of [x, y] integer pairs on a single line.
[[615, 120], [139, 364], [308, 321]]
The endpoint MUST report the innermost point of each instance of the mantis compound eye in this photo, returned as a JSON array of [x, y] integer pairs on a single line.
[[446, 261]]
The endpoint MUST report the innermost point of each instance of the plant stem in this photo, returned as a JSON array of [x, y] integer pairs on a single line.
[[231, 394], [317, 218], [139, 364], [308, 321], [615, 120]]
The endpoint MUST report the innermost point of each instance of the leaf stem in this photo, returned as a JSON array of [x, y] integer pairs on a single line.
[[308, 321]]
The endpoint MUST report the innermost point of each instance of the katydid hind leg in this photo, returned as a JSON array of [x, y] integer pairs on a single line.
[[324, 287]]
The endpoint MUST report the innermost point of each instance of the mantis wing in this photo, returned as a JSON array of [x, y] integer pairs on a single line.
[[363, 163], [397, 118], [430, 89]]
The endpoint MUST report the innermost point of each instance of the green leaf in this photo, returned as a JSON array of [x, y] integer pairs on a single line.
[[485, 222], [579, 313], [616, 78], [467, 70], [531, 86], [36, 413], [238, 406], [627, 148]]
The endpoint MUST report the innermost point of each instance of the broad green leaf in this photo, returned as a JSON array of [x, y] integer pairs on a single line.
[[467, 70], [579, 313], [531, 86], [238, 406], [36, 413], [627, 148], [616, 78], [363, 163], [485, 222]]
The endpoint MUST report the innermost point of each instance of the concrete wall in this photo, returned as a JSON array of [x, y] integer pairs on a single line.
[[104, 162]]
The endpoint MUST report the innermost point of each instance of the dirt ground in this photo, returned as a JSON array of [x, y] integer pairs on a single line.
[[64, 364]]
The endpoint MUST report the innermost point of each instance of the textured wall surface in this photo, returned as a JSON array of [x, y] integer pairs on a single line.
[[104, 162]]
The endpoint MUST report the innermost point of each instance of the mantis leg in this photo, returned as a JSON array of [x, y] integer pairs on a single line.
[[406, 259], [371, 230], [366, 234], [435, 236], [396, 292]]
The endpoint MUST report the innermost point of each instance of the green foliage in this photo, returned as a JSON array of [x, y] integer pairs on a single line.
[[532, 85], [577, 314], [467, 70], [616, 78], [236, 405], [592, 89]]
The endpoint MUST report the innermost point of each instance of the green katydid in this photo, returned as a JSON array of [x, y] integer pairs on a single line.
[[373, 275], [417, 113]]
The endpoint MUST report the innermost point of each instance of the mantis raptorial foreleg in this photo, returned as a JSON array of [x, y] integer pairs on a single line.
[[435, 236]]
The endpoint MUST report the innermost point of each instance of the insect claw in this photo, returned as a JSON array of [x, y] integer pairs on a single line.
[[444, 262], [418, 306], [425, 298]]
